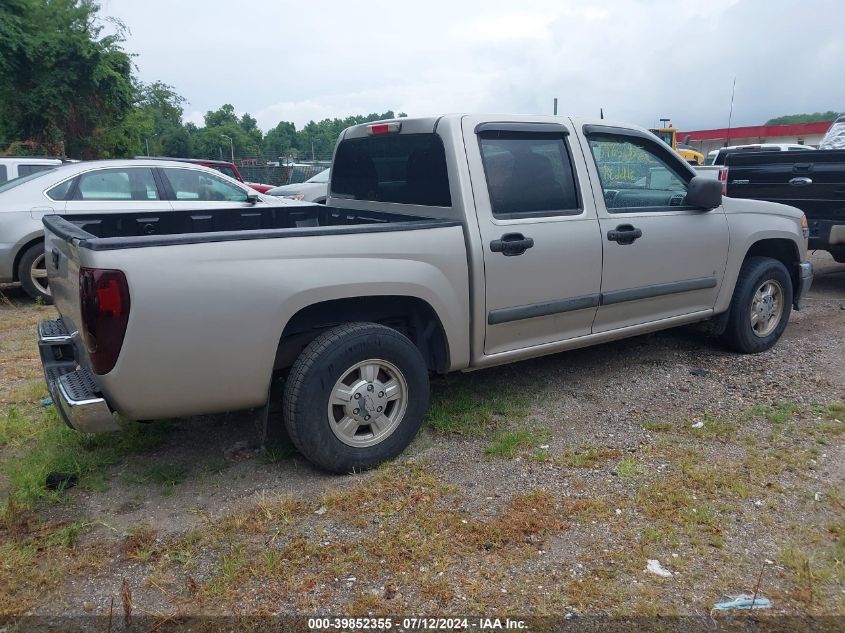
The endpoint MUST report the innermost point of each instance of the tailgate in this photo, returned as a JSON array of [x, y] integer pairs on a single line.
[[812, 181], [62, 253]]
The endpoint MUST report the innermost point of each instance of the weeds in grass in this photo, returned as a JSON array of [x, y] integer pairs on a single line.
[[778, 413], [167, 475], [714, 428], [511, 443], [139, 544], [657, 426], [587, 456], [60, 449], [475, 408], [629, 468]]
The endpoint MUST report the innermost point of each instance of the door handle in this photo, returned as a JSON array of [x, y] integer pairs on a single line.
[[801, 181], [624, 234], [511, 244]]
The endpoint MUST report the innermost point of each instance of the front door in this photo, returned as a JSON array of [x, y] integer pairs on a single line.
[[662, 258], [542, 252]]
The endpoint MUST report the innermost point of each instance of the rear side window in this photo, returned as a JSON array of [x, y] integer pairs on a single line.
[[117, 184], [528, 174], [3, 174], [401, 168], [26, 170]]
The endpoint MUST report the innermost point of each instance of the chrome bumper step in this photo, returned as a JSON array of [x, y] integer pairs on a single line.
[[73, 388]]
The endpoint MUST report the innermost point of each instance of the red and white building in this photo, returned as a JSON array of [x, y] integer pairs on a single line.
[[708, 140]]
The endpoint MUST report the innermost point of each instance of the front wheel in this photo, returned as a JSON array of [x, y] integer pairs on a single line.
[[355, 397], [32, 273], [760, 307]]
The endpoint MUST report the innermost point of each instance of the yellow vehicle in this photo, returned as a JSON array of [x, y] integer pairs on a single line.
[[669, 135]]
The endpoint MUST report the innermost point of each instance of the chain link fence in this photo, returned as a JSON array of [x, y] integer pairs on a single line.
[[280, 172]]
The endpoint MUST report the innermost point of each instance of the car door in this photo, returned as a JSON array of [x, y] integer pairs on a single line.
[[662, 258], [541, 246], [114, 190], [200, 189]]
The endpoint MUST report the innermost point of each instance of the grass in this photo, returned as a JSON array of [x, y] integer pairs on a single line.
[[778, 413], [511, 443], [657, 426], [587, 456], [59, 449], [468, 406], [629, 468], [714, 428]]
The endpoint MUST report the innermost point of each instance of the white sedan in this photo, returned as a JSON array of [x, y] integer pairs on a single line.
[[119, 186]]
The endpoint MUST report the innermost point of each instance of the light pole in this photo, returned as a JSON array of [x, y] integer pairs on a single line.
[[231, 145], [147, 142]]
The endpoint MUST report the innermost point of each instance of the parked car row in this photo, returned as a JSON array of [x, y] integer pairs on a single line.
[[105, 187]]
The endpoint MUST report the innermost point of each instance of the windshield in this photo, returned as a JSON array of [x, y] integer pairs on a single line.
[[664, 135], [14, 182], [323, 176]]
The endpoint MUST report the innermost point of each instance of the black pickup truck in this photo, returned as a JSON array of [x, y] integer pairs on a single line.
[[811, 181]]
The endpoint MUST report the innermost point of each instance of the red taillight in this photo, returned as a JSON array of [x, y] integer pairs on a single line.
[[104, 303], [723, 178], [384, 128]]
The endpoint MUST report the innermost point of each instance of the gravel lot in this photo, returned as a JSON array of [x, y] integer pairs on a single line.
[[537, 488]]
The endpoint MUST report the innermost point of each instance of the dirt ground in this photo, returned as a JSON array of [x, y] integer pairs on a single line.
[[539, 488]]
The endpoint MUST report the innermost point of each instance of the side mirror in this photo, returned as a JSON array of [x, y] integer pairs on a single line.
[[704, 193], [252, 198]]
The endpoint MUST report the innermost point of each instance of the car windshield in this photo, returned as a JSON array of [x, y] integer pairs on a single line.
[[14, 182], [323, 176]]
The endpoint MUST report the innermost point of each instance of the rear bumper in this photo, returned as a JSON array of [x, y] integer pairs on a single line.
[[805, 280], [73, 388]]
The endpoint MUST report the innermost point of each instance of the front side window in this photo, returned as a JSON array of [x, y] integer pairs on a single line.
[[135, 183], [3, 174], [193, 184], [528, 174], [635, 176], [401, 168]]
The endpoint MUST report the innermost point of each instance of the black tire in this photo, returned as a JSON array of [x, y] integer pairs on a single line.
[[313, 377], [739, 334], [24, 269]]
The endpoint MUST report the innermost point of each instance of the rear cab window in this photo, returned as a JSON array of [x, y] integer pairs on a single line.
[[399, 168]]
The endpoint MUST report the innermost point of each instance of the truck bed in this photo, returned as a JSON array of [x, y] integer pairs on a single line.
[[138, 230]]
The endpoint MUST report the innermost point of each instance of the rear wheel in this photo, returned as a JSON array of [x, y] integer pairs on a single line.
[[355, 397], [761, 305], [32, 273]]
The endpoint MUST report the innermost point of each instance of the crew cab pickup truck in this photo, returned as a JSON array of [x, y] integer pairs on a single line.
[[811, 181], [447, 243]]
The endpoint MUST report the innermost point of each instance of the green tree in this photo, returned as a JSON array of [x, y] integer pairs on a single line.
[[280, 140], [803, 118], [62, 83]]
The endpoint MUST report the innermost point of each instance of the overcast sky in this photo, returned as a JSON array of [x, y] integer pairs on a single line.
[[638, 59]]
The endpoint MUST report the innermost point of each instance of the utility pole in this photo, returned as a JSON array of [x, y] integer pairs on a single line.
[[231, 146], [730, 115], [555, 109]]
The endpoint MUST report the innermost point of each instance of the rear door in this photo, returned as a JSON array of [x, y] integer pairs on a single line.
[[114, 190], [662, 258], [542, 251]]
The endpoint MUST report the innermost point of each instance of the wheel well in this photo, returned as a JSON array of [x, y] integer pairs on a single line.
[[783, 250], [411, 316], [23, 249]]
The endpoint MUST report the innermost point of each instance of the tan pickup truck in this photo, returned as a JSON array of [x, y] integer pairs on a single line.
[[447, 243]]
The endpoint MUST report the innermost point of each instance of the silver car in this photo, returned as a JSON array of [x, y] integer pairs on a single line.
[[315, 189], [108, 186]]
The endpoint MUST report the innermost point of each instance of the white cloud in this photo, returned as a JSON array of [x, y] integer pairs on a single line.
[[638, 59]]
